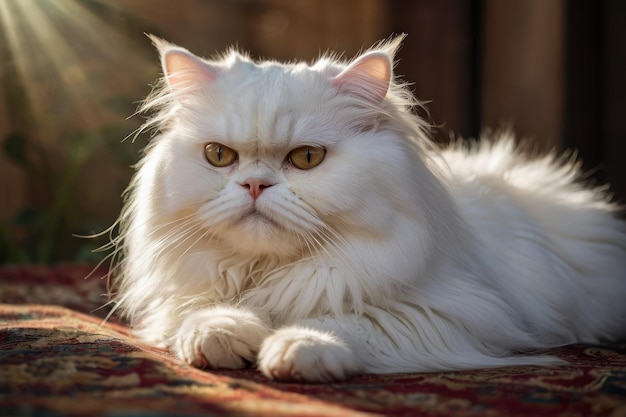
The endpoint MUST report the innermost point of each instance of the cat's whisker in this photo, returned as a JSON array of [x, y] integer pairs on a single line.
[[153, 229], [317, 244], [180, 238], [116, 303], [172, 240], [314, 227], [202, 236], [303, 241], [221, 210], [173, 231], [294, 214]]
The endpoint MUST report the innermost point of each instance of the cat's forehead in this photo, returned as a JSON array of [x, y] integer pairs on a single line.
[[270, 105], [271, 78]]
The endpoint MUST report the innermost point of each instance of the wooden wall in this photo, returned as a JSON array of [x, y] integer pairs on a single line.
[[551, 70]]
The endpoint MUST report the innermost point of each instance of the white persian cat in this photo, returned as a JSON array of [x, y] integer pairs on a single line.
[[297, 218]]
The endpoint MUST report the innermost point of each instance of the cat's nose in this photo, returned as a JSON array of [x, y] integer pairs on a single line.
[[256, 186]]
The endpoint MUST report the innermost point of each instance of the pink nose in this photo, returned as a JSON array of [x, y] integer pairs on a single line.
[[256, 186]]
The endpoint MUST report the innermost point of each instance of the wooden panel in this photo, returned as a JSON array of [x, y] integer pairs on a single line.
[[523, 66], [583, 83], [288, 29], [614, 91], [595, 89], [438, 59]]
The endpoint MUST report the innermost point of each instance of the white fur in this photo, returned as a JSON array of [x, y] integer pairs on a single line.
[[391, 256]]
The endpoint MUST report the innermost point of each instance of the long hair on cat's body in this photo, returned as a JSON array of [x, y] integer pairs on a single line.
[[392, 255]]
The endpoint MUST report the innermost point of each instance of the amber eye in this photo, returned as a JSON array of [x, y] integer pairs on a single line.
[[306, 157], [219, 155]]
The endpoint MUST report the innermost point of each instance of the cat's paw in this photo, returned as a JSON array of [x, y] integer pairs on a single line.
[[220, 337], [302, 354]]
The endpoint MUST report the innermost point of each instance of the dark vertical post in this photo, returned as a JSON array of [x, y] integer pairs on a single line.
[[440, 59]]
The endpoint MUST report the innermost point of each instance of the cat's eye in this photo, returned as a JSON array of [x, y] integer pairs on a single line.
[[219, 155], [307, 157]]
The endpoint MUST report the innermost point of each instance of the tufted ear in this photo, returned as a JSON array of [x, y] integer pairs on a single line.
[[368, 77], [182, 69]]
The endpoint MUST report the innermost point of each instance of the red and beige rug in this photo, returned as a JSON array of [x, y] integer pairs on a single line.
[[58, 359]]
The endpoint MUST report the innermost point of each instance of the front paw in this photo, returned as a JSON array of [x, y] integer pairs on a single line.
[[220, 337], [301, 354]]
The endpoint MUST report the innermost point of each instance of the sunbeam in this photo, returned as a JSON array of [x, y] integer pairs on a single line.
[[62, 51], [73, 73]]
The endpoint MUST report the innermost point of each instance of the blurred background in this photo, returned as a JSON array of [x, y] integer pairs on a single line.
[[73, 71]]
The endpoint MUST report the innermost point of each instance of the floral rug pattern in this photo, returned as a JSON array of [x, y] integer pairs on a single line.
[[58, 358]]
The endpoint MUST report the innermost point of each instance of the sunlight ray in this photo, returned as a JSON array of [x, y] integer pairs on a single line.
[[10, 26], [58, 47], [100, 36], [64, 60]]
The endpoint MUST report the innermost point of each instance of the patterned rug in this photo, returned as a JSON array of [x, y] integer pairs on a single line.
[[57, 358]]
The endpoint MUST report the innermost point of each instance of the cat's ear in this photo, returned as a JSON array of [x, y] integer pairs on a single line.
[[182, 69], [368, 77]]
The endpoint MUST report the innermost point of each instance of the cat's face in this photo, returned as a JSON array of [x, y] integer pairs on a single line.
[[274, 158]]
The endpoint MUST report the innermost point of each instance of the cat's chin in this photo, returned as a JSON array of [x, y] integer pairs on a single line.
[[260, 222], [262, 235]]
